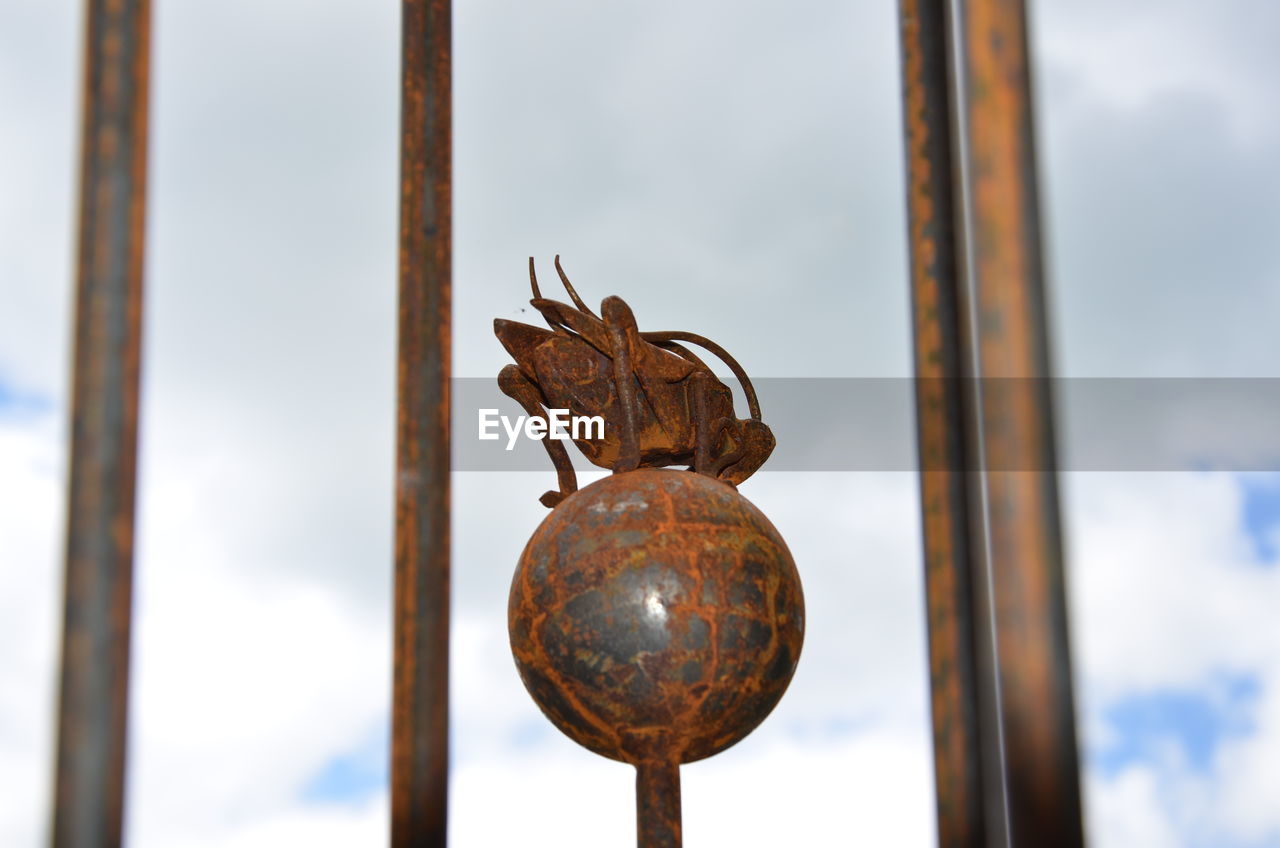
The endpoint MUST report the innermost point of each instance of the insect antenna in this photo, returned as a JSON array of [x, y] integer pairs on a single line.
[[568, 286], [533, 281]]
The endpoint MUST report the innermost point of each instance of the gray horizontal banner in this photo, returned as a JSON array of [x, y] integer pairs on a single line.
[[868, 424]]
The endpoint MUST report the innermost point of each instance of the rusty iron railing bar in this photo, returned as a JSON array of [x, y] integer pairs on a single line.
[[1024, 539], [88, 808], [967, 762], [420, 709]]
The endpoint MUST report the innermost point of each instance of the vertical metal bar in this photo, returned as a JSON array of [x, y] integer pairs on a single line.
[[420, 711], [967, 775], [93, 697], [658, 822], [1024, 536]]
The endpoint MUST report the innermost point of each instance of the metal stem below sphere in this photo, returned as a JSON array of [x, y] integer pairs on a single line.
[[658, 805]]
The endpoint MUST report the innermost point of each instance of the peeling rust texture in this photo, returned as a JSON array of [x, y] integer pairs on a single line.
[[969, 795], [1041, 760], [93, 699], [420, 719], [656, 617], [660, 403]]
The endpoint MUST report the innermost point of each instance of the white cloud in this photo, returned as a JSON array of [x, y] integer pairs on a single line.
[[1158, 162], [1161, 568], [1167, 596], [39, 96], [244, 691], [1250, 766], [1132, 53], [31, 508], [874, 789], [1128, 810], [316, 827]]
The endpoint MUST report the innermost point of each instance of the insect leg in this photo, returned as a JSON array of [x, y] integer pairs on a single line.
[[706, 433], [733, 456], [702, 434], [519, 388], [667, 336], [621, 326]]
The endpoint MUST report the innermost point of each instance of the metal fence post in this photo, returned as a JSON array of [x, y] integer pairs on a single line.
[[973, 196], [1024, 535], [420, 709], [967, 769], [93, 699]]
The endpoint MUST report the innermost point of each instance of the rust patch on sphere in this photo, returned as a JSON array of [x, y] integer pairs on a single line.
[[656, 615]]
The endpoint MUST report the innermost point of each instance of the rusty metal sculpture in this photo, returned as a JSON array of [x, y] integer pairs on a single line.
[[661, 404], [656, 616]]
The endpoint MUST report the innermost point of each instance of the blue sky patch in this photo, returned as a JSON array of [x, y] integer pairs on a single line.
[[354, 776], [1195, 721], [1262, 512], [530, 734], [826, 729], [19, 403]]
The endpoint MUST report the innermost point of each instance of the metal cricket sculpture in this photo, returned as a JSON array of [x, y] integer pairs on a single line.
[[656, 615], [661, 404]]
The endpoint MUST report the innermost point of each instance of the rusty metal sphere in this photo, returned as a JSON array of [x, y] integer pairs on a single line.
[[656, 615]]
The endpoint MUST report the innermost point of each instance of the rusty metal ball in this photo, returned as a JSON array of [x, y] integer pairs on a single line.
[[656, 615]]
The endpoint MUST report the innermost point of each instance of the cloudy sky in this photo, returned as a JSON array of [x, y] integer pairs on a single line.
[[732, 168]]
